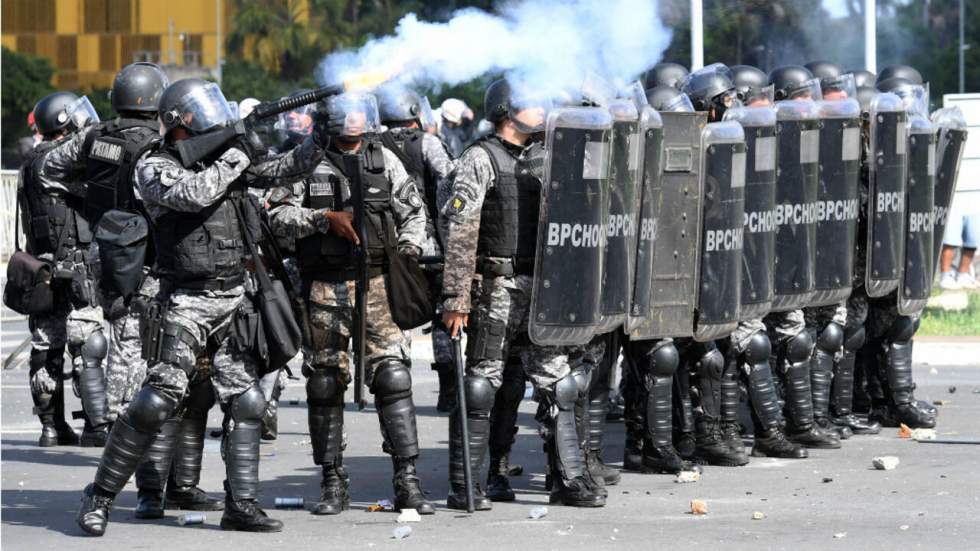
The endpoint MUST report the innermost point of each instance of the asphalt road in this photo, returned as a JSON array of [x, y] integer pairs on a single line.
[[930, 501]]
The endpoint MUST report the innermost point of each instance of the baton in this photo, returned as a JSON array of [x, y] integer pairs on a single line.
[[461, 411]]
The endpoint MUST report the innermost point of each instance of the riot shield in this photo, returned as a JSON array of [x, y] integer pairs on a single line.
[[678, 215], [950, 143], [722, 230], [887, 169], [917, 274], [798, 142], [568, 261], [838, 202], [758, 247], [624, 208], [651, 125]]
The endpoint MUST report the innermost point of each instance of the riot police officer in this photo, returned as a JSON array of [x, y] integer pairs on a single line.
[[202, 220], [57, 232], [667, 74], [103, 156], [489, 251], [427, 160], [317, 217]]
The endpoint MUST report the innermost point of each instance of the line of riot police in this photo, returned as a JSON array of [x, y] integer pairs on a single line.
[[752, 249]]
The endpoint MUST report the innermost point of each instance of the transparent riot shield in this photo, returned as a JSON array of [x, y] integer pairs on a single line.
[[951, 141], [838, 203], [569, 258], [798, 141], [722, 230], [678, 215], [917, 274], [758, 248], [624, 210], [651, 125], [887, 171]]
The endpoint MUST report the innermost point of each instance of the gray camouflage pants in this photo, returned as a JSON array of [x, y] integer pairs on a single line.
[[59, 330], [126, 368]]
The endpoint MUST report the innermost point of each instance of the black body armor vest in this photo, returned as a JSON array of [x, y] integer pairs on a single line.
[[111, 151], [204, 249], [407, 145], [50, 219], [330, 257], [509, 217]]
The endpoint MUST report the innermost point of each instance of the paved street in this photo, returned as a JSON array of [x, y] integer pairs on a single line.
[[930, 501]]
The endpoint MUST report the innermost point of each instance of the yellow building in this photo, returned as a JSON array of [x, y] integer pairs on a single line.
[[89, 40]]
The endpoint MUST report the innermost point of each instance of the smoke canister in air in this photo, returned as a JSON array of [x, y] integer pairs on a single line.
[[289, 502], [191, 518]]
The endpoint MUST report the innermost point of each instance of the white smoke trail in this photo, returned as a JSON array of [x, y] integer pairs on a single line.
[[544, 46]]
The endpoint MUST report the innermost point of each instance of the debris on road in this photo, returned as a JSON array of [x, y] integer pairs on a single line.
[[941, 402], [380, 505], [289, 502], [409, 515], [933, 371], [903, 527], [904, 431], [827, 480], [684, 477], [538, 512], [952, 390], [758, 515], [699, 507], [191, 518], [923, 434], [840, 535], [401, 532], [885, 462]]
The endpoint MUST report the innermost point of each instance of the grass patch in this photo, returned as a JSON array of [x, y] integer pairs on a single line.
[[942, 323]]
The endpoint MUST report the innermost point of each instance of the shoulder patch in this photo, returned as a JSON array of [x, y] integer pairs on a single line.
[[457, 204]]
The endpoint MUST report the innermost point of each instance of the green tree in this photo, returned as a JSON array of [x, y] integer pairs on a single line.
[[26, 79]]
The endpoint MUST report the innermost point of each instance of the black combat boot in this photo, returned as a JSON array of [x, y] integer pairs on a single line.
[[152, 473], [731, 429], [447, 386], [903, 408], [503, 429], [50, 408], [245, 515], [829, 343], [770, 441], [498, 483], [185, 471], [568, 480], [408, 489], [334, 493], [659, 455], [711, 446], [479, 399], [91, 390], [93, 515], [800, 427], [842, 394]]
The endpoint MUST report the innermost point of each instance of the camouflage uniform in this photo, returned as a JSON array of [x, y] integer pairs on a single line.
[[126, 368]]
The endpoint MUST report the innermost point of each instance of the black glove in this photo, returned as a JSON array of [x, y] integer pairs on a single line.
[[326, 125], [250, 144]]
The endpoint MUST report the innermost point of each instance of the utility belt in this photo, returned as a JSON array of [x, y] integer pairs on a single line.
[[505, 267], [214, 284]]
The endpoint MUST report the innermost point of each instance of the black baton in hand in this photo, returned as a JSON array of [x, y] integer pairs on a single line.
[[461, 411]]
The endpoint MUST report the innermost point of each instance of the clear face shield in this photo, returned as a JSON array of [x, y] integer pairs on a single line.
[[839, 88], [80, 112], [235, 109], [637, 95], [427, 119], [680, 104], [529, 113], [915, 97], [298, 122], [808, 90], [752, 96], [204, 108], [359, 111]]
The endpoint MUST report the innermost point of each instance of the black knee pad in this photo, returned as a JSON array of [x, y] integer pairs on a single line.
[[854, 338], [663, 361], [149, 410], [902, 330], [249, 405], [831, 338], [759, 349], [322, 387], [95, 347], [712, 363], [200, 397], [392, 380], [566, 392], [799, 347], [479, 394]]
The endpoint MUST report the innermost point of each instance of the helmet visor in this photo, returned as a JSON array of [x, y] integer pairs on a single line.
[[298, 121], [758, 97], [81, 113], [806, 90], [359, 111], [529, 113], [427, 119], [680, 104], [838, 88], [204, 108], [915, 97]]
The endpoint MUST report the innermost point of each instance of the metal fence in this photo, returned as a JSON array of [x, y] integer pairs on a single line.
[[8, 203]]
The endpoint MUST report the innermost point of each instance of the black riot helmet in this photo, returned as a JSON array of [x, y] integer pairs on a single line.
[[666, 74], [63, 111], [864, 78], [711, 89], [668, 98], [398, 104], [194, 104], [900, 71], [751, 83], [834, 81], [138, 87], [793, 82], [501, 102], [824, 69]]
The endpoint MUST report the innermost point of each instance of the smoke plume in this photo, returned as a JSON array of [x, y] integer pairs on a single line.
[[542, 46]]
